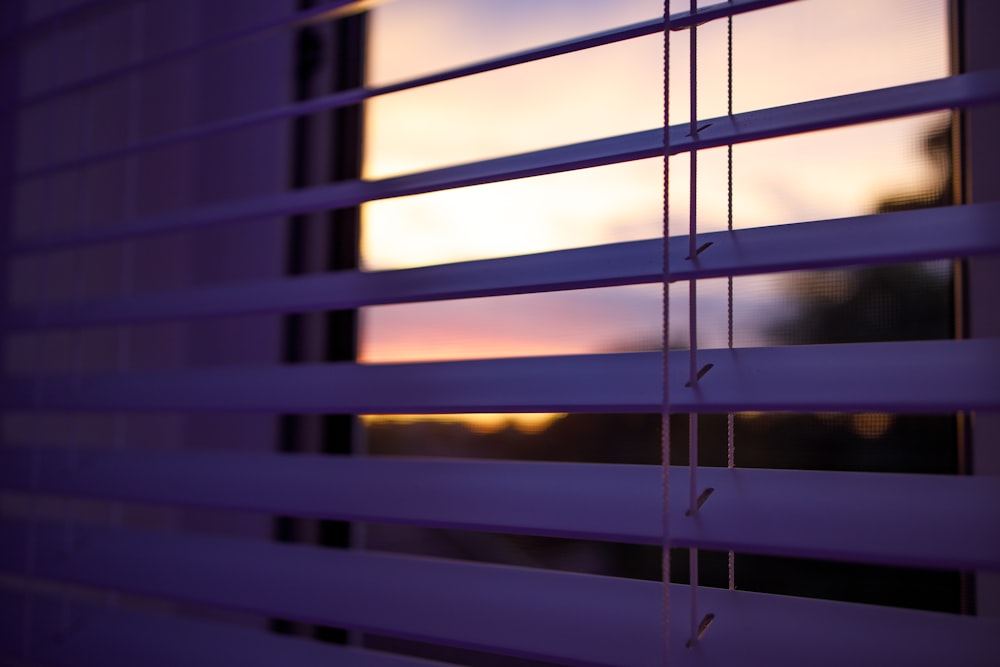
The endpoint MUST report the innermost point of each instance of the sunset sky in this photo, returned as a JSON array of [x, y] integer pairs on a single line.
[[805, 50]]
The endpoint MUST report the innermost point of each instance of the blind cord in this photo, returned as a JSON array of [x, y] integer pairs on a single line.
[[665, 338], [731, 417], [693, 324]]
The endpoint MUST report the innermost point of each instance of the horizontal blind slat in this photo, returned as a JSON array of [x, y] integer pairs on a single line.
[[584, 619], [962, 90], [543, 382], [548, 615], [867, 240], [845, 516], [327, 11], [810, 514], [341, 99], [905, 236], [88, 635], [687, 18], [19, 35], [904, 377], [625, 263]]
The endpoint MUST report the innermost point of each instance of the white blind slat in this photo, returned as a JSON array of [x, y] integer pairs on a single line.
[[588, 620], [326, 12], [902, 520], [585, 619], [904, 236], [342, 99], [102, 636], [810, 514], [59, 19], [915, 376], [967, 89]]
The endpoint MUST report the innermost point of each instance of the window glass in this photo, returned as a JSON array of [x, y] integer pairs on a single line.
[[783, 55]]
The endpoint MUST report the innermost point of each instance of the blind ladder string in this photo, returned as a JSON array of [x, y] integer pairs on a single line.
[[693, 324], [665, 338], [731, 417]]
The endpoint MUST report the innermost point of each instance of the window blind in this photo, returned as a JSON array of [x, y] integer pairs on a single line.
[[50, 562]]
